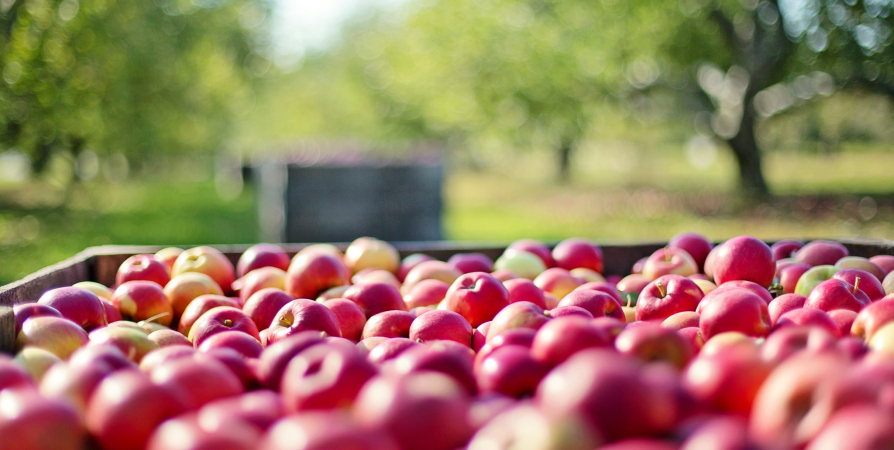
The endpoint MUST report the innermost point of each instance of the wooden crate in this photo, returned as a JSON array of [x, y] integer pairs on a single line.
[[101, 263]]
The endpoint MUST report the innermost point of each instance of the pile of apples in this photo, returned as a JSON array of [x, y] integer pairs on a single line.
[[738, 346]]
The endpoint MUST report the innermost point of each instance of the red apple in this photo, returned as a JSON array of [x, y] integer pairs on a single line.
[[185, 288], [325, 377], [198, 381], [220, 319], [694, 336], [78, 305], [522, 337], [695, 245], [821, 253], [324, 430], [598, 303], [262, 255], [576, 252], [277, 355], [471, 262], [313, 273], [836, 294], [143, 300], [142, 267], [409, 263], [789, 340], [351, 319], [254, 281], [505, 275], [535, 247], [390, 349], [783, 304], [755, 288], [666, 296], [744, 258], [789, 276], [263, 305], [652, 342], [375, 297], [557, 281], [447, 357], [517, 315], [108, 355], [860, 263], [25, 311], [809, 317], [867, 283], [390, 324], [200, 305], [857, 427], [728, 381], [370, 275], [477, 296], [112, 313], [56, 335], [886, 262], [31, 422], [430, 270], [168, 256], [523, 425], [261, 408], [669, 260], [785, 249], [190, 432], [209, 261], [331, 293], [163, 356], [734, 310], [560, 338], [441, 325], [134, 344], [603, 286], [426, 293], [243, 343], [13, 376], [302, 315], [562, 311], [510, 370], [844, 318]]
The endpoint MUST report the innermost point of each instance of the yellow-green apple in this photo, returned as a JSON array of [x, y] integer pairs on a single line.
[[313, 273], [448, 357], [389, 349], [263, 305], [100, 290], [368, 252], [242, 343], [409, 263], [517, 315], [883, 339], [426, 293], [321, 430], [744, 258], [587, 275], [254, 281], [29, 421], [351, 319], [510, 370], [56, 335], [142, 267], [390, 324], [521, 263], [184, 288], [134, 344], [168, 256], [302, 315], [666, 296], [189, 431], [476, 296], [837, 294], [441, 325], [78, 305], [523, 425], [209, 261], [844, 318], [369, 275], [325, 377], [733, 310], [706, 286], [471, 262], [873, 317], [535, 247], [809, 317], [652, 342], [598, 303], [696, 245], [858, 262], [785, 249], [142, 300], [200, 305], [783, 304], [577, 252], [680, 320], [821, 253], [789, 340], [199, 381], [165, 338], [560, 338], [262, 255], [888, 284], [669, 260], [862, 280], [276, 356], [886, 262], [813, 277], [36, 361], [557, 281], [331, 293], [375, 297], [728, 380], [129, 325], [790, 275], [562, 311], [409, 407], [25, 311], [524, 290], [220, 319]]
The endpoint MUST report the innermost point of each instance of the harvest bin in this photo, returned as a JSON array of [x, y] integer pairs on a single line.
[[100, 264]]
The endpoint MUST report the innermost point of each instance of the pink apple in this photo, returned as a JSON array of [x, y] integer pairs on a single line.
[[78, 305], [29, 421], [375, 297], [200, 305], [517, 315], [164, 355], [667, 295], [190, 432], [243, 343], [557, 281], [13, 376], [845, 319], [598, 303], [744, 258], [836, 294], [220, 319], [73, 383], [351, 319], [426, 293], [680, 320], [789, 340], [734, 310], [873, 317], [652, 342], [254, 281], [165, 338], [209, 261], [261, 408], [809, 317], [857, 427], [505, 275], [441, 325], [510, 370], [389, 349], [785, 249], [324, 430], [789, 276], [562, 311], [112, 313], [886, 262], [168, 256], [783, 304], [277, 355], [868, 283], [858, 262], [198, 381], [603, 286], [728, 381], [449, 358], [535, 247], [633, 284], [263, 305], [390, 324], [821, 253], [477, 296], [262, 255], [695, 244], [302, 315], [430, 270], [134, 344], [523, 337], [669, 260], [143, 300], [313, 273], [471, 262], [409, 262], [560, 338], [325, 377], [142, 267], [576, 252]]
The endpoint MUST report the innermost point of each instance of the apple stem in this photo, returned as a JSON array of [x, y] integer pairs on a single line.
[[856, 285], [661, 289], [153, 318], [629, 300]]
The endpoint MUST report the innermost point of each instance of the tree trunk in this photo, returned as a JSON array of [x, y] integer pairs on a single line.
[[566, 146], [748, 155]]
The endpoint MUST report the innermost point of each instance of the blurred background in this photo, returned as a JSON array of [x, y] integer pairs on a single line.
[[184, 122]]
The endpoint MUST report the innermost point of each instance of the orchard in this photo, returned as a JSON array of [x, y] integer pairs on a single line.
[[739, 346]]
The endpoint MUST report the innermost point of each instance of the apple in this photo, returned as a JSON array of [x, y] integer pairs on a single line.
[[505, 275], [666, 296], [409, 263], [522, 337], [325, 377], [521, 263], [351, 319], [127, 406], [29, 421], [331, 293], [837, 294], [277, 355], [744, 258], [888, 284], [254, 281], [366, 345], [261, 409], [184, 288], [719, 342], [558, 282], [313, 273], [476, 296], [709, 264], [510, 370], [78, 305], [200, 305], [375, 297], [224, 318], [209, 261], [142, 300], [680, 320], [809, 317], [844, 318], [588, 275], [597, 303], [262, 255], [25, 311], [652, 342], [389, 349], [198, 381], [857, 427], [523, 425], [882, 340], [57, 335], [13, 376], [886, 262], [302, 315], [390, 324], [142, 267], [560, 338], [112, 313], [871, 318], [562, 311], [165, 338], [858, 262], [789, 340], [36, 361], [327, 249], [790, 275], [669, 260], [441, 325], [637, 268], [100, 290], [134, 344], [728, 380], [785, 249], [783, 304], [242, 343], [324, 430], [368, 252], [577, 252], [821, 253], [606, 287], [704, 285], [190, 432], [107, 355], [168, 256], [734, 310], [633, 284], [450, 358], [426, 293], [421, 411], [263, 305], [813, 277], [471, 262], [863, 281], [517, 315], [73, 383], [535, 247], [163, 356], [696, 245]]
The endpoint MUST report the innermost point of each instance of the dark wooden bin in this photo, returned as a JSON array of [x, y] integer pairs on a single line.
[[101, 263]]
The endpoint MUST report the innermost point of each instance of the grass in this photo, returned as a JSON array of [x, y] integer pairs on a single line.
[[651, 198]]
